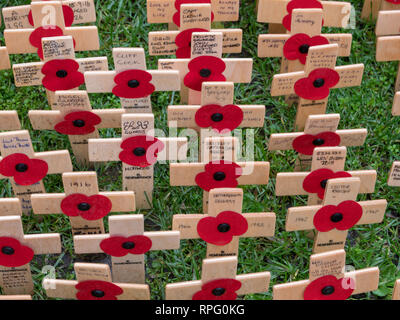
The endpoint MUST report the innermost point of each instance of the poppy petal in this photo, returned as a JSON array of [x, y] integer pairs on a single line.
[[132, 84], [114, 245], [232, 117], [298, 4], [210, 67], [306, 143], [329, 288], [62, 74], [108, 289], [219, 174], [90, 120], [89, 208], [149, 147], [307, 88], [13, 253], [228, 286]]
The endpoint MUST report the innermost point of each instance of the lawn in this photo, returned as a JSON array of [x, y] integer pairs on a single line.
[[286, 255]]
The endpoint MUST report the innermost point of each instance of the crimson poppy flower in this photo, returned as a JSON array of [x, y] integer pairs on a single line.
[[329, 288], [24, 170], [221, 229], [316, 86], [177, 15], [220, 118], [297, 46], [62, 74], [204, 68], [67, 12], [219, 174], [342, 217], [306, 143], [13, 253], [298, 4], [121, 246], [183, 42], [316, 180], [89, 208], [220, 289], [393, 1], [43, 32], [132, 84], [140, 151], [78, 123], [97, 290]]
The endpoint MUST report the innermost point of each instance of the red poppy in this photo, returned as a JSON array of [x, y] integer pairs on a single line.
[[132, 84], [316, 180], [43, 32], [298, 4], [221, 229], [140, 151], [183, 42], [329, 288], [220, 118], [78, 123], [204, 68], [219, 174], [24, 170], [316, 86], [297, 46], [62, 74], [220, 289], [393, 1], [121, 246], [306, 143], [177, 15], [341, 217], [13, 253], [67, 12], [89, 208], [97, 290]]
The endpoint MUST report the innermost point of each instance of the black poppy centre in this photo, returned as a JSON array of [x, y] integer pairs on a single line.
[[304, 48], [323, 183], [205, 73], [7, 250], [139, 151], [224, 227], [133, 83], [84, 206], [219, 176], [61, 73], [128, 245], [21, 167], [98, 293], [218, 291], [318, 142], [318, 83], [337, 217], [217, 117], [79, 123], [328, 290]]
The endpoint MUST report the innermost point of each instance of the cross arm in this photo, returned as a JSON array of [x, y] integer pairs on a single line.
[[60, 288], [387, 23], [10, 206], [387, 48], [58, 161], [44, 243], [9, 118], [253, 282], [4, 59], [182, 290]]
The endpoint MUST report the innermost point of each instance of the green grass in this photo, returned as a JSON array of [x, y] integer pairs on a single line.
[[286, 255]]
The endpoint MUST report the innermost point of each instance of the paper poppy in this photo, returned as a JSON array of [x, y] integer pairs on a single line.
[[317, 85], [140, 151], [132, 84], [97, 290], [219, 174], [221, 229], [316, 180], [68, 14], [36, 36], [306, 143], [13, 253], [297, 46], [62, 74], [204, 68], [341, 217], [183, 42], [121, 246], [329, 288], [177, 15], [89, 208], [298, 4], [24, 170], [220, 289], [393, 1], [78, 123], [220, 118]]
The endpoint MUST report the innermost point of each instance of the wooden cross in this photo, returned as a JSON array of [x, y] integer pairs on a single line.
[[94, 282], [9, 120], [26, 168], [165, 11], [218, 169], [131, 81], [60, 70], [314, 83], [388, 39], [206, 64], [193, 17], [4, 59], [337, 214], [219, 278], [327, 163], [10, 207], [48, 21], [127, 244], [319, 131], [372, 8], [83, 202], [329, 280], [73, 115], [224, 206], [17, 250], [139, 150]]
